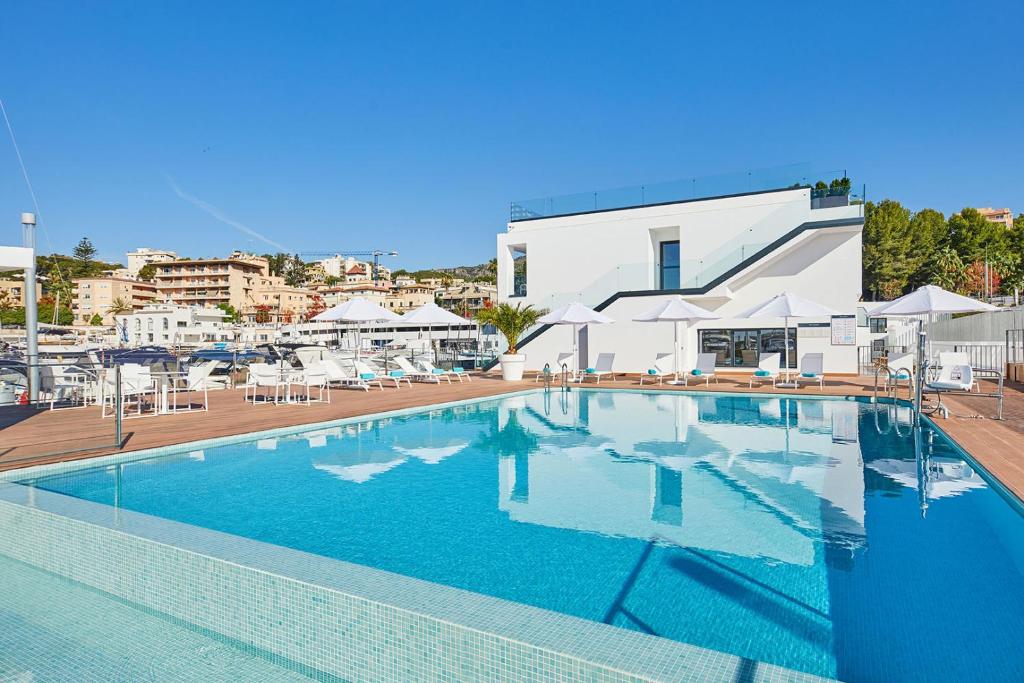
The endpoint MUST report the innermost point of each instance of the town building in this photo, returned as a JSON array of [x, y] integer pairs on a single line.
[[332, 296], [102, 295], [12, 292], [724, 253], [467, 297], [166, 324], [1004, 215], [408, 297], [144, 256]]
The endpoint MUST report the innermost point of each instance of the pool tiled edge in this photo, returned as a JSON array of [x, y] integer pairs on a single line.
[[340, 619]]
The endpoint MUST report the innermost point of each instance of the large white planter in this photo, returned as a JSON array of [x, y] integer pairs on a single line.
[[512, 366]]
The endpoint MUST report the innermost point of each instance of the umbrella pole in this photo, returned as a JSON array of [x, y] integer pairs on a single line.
[[677, 360], [788, 384], [575, 349]]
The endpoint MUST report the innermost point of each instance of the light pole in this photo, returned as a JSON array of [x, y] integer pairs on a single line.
[[28, 236], [376, 263]]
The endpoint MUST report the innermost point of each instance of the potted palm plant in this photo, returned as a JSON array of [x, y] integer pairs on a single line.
[[512, 322]]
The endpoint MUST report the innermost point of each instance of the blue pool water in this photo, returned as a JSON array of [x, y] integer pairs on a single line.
[[818, 535]]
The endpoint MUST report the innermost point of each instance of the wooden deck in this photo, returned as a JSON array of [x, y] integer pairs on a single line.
[[29, 436]]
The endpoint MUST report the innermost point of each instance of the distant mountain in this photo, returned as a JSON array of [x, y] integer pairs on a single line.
[[481, 272]]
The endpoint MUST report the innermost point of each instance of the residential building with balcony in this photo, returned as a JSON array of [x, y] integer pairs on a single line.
[[12, 292], [1004, 215], [727, 253], [408, 297], [144, 256], [210, 282], [97, 296], [333, 296]]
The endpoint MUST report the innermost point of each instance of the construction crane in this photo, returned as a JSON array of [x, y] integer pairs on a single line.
[[375, 254]]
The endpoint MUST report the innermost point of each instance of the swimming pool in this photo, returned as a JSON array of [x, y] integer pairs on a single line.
[[804, 533]]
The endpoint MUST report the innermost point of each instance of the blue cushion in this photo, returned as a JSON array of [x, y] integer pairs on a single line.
[[397, 373], [762, 373], [458, 369], [437, 371], [652, 371], [808, 374], [366, 375], [591, 370], [696, 372]]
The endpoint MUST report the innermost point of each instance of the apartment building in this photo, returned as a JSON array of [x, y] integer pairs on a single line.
[[97, 296], [407, 297], [12, 292], [726, 253], [274, 301], [209, 282], [467, 297], [143, 256], [1004, 215], [333, 296]]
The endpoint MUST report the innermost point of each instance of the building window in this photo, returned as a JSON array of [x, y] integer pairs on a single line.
[[742, 348], [519, 270], [878, 324], [668, 265]]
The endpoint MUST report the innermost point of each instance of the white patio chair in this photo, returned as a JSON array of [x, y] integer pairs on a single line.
[[767, 369], [664, 366], [602, 368], [136, 384], [705, 370], [264, 376], [198, 379], [313, 377], [812, 369]]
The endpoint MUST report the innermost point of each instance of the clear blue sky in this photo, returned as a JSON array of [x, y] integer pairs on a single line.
[[385, 125]]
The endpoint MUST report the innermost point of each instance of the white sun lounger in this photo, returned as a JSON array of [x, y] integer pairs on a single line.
[[602, 368], [429, 367], [663, 367], [411, 372], [364, 369], [812, 369], [705, 370], [768, 363]]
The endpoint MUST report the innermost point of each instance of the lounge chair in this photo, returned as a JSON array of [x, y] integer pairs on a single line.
[[705, 370], [454, 372], [812, 369], [767, 369], [556, 367], [368, 373], [337, 376], [601, 368], [663, 367], [412, 372]]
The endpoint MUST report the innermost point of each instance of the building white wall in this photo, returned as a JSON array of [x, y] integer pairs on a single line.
[[570, 258]]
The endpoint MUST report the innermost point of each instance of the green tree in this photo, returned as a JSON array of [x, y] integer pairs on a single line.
[[294, 271], [147, 272], [948, 270], [511, 321], [974, 237], [233, 315], [887, 242], [84, 254], [1014, 278], [927, 231], [96, 319]]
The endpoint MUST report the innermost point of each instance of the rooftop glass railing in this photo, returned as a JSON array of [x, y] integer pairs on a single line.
[[755, 180]]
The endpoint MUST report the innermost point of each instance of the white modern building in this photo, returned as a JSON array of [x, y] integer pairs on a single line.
[[174, 325], [724, 253]]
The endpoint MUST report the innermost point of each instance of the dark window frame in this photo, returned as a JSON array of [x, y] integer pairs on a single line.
[[662, 268], [728, 337]]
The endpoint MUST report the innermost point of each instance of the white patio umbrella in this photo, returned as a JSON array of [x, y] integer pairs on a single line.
[[929, 300], [431, 314], [787, 305], [676, 310], [357, 310], [577, 315]]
